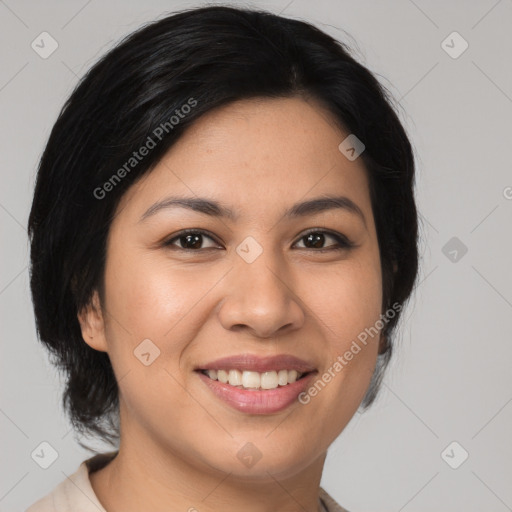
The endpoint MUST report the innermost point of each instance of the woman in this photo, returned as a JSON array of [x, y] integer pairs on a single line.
[[223, 234]]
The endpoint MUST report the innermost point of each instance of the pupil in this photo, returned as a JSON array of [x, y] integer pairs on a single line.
[[197, 242], [316, 238], [194, 241]]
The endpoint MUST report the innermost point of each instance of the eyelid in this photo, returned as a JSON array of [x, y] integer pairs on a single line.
[[343, 242], [342, 239], [169, 241]]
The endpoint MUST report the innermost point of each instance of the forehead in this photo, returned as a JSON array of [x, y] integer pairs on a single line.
[[256, 155]]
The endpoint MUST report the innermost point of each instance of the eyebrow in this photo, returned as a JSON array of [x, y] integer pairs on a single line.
[[215, 209]]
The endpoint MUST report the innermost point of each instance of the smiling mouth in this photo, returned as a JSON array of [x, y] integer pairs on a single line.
[[255, 381]]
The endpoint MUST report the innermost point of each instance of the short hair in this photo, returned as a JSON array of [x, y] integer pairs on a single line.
[[206, 58]]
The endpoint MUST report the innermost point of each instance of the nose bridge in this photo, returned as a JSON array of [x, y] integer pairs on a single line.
[[262, 277], [260, 295], [259, 273]]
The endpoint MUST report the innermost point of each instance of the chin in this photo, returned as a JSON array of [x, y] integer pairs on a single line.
[[263, 459]]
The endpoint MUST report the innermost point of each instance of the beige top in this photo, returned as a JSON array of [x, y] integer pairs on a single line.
[[75, 494]]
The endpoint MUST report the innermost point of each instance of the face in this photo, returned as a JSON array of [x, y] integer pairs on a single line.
[[277, 292]]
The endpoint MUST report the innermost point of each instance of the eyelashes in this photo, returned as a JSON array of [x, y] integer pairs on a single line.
[[342, 242], [194, 237]]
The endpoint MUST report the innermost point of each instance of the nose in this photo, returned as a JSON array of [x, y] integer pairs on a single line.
[[260, 299]]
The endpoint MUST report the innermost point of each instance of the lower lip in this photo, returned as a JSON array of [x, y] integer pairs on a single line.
[[259, 401]]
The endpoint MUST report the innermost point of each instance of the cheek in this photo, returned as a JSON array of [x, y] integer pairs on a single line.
[[149, 324], [154, 299], [347, 300], [149, 296], [347, 304]]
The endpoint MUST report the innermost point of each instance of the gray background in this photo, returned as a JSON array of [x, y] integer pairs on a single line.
[[451, 378]]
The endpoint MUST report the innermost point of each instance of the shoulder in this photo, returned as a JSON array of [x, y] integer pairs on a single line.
[[45, 504], [330, 503], [74, 494]]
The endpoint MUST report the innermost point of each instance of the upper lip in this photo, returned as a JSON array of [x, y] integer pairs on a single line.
[[252, 362]]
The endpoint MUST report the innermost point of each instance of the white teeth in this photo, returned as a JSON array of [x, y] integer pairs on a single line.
[[251, 380], [282, 377], [235, 378], [222, 376], [292, 376], [254, 380], [269, 380]]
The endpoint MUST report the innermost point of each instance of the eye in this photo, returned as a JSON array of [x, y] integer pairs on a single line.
[[316, 238], [191, 240]]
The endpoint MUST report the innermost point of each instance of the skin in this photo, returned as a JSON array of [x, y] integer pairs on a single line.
[[258, 157]]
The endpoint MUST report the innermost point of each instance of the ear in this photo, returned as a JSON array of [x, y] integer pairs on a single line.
[[92, 324]]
